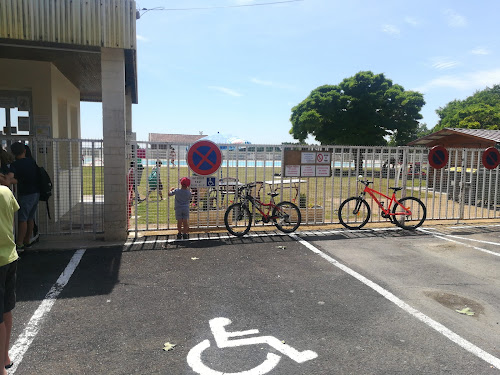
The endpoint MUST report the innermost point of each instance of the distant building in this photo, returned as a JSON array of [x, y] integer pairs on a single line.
[[460, 138], [173, 139]]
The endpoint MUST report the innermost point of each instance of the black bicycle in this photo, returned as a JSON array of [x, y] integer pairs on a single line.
[[238, 217]]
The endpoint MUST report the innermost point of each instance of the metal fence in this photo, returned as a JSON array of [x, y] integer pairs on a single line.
[[75, 168], [462, 190]]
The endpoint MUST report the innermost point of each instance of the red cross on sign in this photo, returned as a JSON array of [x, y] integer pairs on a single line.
[[204, 158]]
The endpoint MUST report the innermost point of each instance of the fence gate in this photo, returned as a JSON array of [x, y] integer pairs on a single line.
[[75, 168]]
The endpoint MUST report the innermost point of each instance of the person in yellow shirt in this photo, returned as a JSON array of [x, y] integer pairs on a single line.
[[8, 267]]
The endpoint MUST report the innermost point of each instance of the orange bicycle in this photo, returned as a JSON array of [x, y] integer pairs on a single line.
[[238, 218], [407, 213]]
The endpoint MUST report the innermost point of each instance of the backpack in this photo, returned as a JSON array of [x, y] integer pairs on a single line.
[[45, 187]]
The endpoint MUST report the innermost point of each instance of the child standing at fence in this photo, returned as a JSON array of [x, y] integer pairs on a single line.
[[182, 199]]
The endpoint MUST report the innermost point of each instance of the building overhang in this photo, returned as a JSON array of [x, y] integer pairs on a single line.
[[80, 64]]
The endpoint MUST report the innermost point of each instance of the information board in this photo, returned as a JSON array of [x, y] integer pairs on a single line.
[[298, 163]]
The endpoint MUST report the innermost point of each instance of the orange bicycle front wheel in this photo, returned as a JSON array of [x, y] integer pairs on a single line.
[[410, 213]]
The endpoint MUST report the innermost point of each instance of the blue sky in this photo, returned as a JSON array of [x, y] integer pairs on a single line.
[[240, 70]]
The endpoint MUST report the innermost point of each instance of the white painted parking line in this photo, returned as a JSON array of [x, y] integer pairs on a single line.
[[28, 335], [449, 237], [492, 360]]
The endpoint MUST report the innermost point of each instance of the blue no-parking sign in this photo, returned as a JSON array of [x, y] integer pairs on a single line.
[[438, 157], [204, 158], [491, 158]]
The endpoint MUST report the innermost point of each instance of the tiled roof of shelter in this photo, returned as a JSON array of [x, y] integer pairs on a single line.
[[490, 135], [175, 138]]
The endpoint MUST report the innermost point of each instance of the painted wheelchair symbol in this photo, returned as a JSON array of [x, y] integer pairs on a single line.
[[224, 339]]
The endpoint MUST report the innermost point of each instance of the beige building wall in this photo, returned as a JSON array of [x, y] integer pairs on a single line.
[[29, 76], [49, 90], [55, 102]]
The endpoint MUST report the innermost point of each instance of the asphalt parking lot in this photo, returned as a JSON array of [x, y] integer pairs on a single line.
[[382, 301]]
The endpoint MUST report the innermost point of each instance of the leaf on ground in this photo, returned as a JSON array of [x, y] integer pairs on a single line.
[[168, 346], [465, 311]]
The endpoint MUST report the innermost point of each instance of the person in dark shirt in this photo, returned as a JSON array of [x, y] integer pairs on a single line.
[[26, 174], [6, 170]]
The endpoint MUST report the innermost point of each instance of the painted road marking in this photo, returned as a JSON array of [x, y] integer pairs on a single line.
[[452, 336], [222, 338], [28, 335], [444, 236], [225, 339], [194, 360]]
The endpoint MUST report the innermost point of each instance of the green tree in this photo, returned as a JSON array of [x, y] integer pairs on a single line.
[[365, 109], [479, 111], [421, 131]]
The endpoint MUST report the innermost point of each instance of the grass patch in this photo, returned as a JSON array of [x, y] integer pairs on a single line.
[[325, 192]]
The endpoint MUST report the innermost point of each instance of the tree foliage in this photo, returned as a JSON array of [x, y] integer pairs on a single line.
[[419, 132], [364, 109], [479, 111]]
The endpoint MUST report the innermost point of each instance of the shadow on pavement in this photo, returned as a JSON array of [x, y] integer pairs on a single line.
[[96, 274]]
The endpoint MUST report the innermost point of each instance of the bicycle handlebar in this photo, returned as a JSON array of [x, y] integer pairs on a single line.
[[249, 186], [246, 186], [364, 182]]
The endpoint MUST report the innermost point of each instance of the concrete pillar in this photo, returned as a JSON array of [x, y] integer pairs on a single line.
[[114, 113]]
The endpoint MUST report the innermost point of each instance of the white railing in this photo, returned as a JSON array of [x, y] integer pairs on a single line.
[[463, 190], [448, 193], [75, 168]]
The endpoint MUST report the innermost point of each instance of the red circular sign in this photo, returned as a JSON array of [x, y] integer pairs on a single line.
[[491, 158], [438, 157], [204, 158]]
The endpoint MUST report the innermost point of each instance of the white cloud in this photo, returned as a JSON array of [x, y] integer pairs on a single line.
[[454, 19], [411, 21], [142, 38], [467, 82], [261, 82], [480, 51], [390, 29], [443, 63], [225, 90]]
